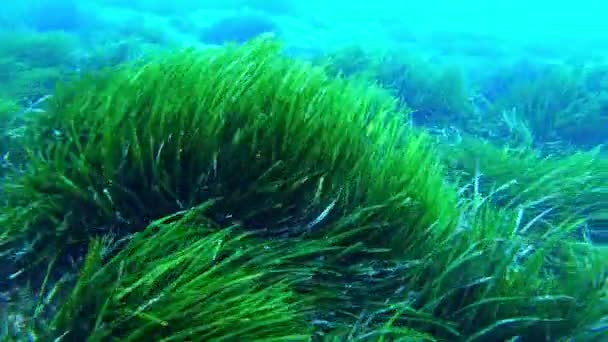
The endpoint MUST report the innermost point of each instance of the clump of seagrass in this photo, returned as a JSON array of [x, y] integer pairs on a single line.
[[184, 279], [350, 227], [284, 148], [567, 184]]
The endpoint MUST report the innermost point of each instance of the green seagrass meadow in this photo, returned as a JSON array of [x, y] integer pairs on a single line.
[[236, 194]]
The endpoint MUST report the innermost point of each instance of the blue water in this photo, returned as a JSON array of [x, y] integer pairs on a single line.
[[489, 58]]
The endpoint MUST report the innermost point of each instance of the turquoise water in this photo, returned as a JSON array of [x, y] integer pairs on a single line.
[[407, 171]]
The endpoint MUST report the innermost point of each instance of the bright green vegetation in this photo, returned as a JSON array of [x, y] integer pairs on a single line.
[[518, 178], [237, 192], [128, 147], [181, 277]]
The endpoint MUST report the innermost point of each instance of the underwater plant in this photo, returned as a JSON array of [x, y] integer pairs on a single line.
[[245, 192], [113, 152], [436, 94], [558, 103], [555, 186], [8, 111], [179, 279], [32, 63]]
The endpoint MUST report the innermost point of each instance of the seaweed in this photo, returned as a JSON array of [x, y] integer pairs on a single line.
[[205, 195], [436, 94], [31, 64], [550, 104], [112, 152]]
